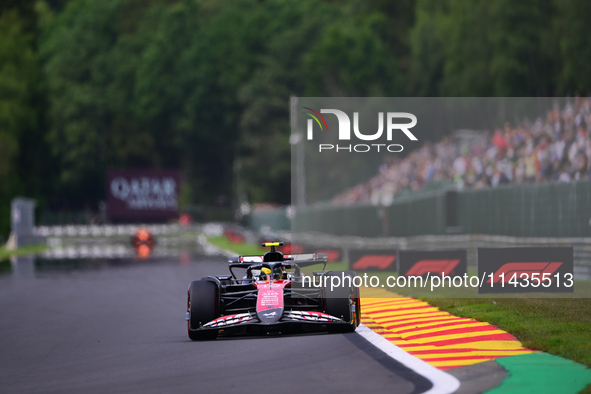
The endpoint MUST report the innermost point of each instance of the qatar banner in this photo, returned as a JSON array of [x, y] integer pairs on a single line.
[[450, 262], [526, 270], [143, 194]]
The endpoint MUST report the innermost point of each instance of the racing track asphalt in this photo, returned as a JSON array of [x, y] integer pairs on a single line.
[[119, 327]]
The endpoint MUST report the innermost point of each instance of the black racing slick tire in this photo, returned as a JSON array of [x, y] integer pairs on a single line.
[[202, 305], [343, 302]]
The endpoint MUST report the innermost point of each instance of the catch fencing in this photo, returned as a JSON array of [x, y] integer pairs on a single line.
[[536, 210]]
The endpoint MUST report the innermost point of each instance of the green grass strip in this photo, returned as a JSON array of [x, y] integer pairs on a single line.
[[241, 249], [542, 373], [24, 250]]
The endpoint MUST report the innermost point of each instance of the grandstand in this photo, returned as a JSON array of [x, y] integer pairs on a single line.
[[555, 147]]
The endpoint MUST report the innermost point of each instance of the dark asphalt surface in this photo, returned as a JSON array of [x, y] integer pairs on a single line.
[[119, 327]]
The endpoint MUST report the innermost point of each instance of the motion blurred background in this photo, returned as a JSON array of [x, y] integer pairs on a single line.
[[203, 87], [166, 125]]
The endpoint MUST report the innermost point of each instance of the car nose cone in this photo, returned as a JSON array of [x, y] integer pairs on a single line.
[[270, 315]]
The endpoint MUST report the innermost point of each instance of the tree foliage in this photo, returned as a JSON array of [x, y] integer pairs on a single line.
[[204, 85], [484, 48], [18, 113]]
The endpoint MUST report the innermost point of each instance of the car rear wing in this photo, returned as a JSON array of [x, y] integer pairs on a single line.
[[314, 258], [296, 261]]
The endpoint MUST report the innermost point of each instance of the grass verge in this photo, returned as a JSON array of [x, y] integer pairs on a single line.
[[558, 326], [31, 249], [243, 249]]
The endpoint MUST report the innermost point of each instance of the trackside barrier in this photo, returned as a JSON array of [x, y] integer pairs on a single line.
[[468, 242], [109, 241], [373, 259], [104, 230], [106, 251], [536, 210]]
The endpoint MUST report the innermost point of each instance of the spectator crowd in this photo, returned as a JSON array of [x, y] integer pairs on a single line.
[[556, 148]]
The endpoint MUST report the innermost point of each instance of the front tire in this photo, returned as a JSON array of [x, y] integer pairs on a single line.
[[343, 302], [202, 305]]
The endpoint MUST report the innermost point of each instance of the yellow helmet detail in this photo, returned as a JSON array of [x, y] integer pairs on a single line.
[[265, 272]]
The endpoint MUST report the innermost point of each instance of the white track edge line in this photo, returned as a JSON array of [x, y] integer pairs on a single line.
[[443, 383]]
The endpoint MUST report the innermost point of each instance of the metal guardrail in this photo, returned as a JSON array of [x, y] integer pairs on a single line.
[[87, 251], [108, 251], [104, 230], [110, 241]]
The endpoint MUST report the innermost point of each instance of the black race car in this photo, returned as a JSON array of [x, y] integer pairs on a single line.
[[271, 292]]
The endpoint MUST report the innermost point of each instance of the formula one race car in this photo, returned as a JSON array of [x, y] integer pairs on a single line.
[[270, 293]]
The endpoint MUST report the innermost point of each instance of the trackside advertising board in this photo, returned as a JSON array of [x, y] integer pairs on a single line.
[[432, 262], [526, 270], [142, 194], [372, 260]]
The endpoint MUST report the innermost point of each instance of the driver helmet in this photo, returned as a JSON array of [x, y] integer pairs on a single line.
[[278, 272], [265, 273]]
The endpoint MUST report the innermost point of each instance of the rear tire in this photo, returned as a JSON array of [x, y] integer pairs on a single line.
[[338, 301], [202, 305]]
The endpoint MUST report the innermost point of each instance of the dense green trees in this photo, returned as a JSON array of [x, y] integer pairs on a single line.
[[485, 48], [204, 85], [19, 105]]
